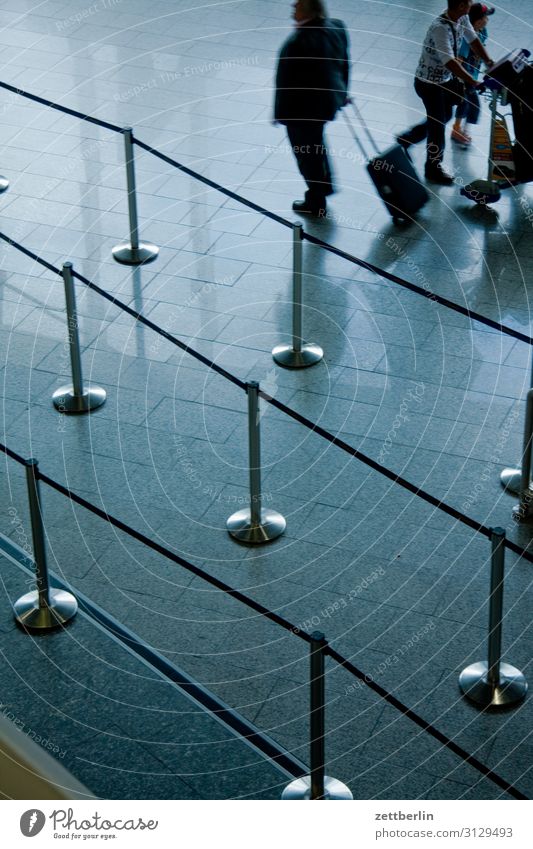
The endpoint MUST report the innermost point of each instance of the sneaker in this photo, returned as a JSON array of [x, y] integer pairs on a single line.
[[437, 174], [304, 208], [461, 138]]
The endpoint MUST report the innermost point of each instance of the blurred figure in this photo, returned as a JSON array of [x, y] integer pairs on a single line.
[[311, 85]]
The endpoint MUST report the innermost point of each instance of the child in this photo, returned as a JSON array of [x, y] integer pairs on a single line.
[[468, 109]]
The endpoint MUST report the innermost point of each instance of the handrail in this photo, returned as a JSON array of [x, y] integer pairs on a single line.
[[342, 661]]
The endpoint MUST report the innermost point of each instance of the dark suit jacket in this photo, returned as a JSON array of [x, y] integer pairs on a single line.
[[313, 72]]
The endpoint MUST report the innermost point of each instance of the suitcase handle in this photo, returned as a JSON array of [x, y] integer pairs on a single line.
[[365, 127], [363, 123]]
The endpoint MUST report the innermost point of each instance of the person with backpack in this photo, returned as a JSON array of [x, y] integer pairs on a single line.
[[311, 86]]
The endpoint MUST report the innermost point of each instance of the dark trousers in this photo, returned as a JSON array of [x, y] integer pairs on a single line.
[[439, 110], [309, 148], [469, 107]]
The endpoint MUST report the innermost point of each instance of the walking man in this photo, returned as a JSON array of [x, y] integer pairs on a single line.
[[436, 79], [311, 85]]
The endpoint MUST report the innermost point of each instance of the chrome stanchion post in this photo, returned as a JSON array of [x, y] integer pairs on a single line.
[[318, 715], [75, 399], [299, 354], [317, 785], [297, 262], [134, 252], [4, 184], [45, 607], [255, 525], [517, 481], [492, 683]]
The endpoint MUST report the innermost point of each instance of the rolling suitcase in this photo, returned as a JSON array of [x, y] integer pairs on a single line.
[[393, 175]]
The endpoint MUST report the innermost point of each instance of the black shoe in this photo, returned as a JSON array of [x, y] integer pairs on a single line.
[[437, 174], [305, 208]]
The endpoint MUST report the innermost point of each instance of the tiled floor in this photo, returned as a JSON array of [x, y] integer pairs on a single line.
[[431, 395], [154, 742]]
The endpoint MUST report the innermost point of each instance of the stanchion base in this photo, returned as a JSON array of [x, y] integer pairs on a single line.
[[300, 790], [240, 527], [286, 356], [476, 687], [63, 606], [524, 511], [66, 402], [135, 256], [4, 184], [511, 480]]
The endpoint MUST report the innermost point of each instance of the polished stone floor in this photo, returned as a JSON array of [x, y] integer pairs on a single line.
[[395, 584]]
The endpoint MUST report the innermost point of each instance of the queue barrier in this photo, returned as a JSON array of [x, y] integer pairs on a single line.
[[133, 252], [75, 398], [45, 607], [298, 354], [317, 785], [134, 245], [492, 683], [255, 525], [319, 646]]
